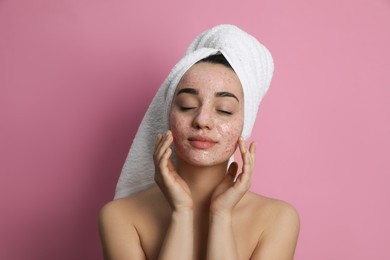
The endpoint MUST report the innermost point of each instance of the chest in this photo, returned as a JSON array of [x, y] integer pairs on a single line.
[[152, 232]]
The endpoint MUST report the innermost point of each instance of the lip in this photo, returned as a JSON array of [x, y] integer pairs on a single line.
[[201, 142]]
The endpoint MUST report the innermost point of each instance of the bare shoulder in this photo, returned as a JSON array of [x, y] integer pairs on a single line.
[[268, 208], [133, 208], [115, 209], [118, 225], [280, 225], [120, 211], [273, 208]]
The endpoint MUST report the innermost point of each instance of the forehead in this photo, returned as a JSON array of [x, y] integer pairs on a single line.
[[210, 77]]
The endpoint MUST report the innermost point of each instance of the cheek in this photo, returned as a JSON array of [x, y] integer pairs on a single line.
[[177, 128], [230, 134]]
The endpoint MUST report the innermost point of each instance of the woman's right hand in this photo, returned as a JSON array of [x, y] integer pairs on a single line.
[[171, 184]]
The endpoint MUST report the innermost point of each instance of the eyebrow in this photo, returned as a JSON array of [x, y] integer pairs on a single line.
[[188, 90], [196, 92], [226, 94]]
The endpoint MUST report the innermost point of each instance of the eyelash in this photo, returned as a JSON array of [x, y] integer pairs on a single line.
[[225, 112], [221, 111], [186, 108]]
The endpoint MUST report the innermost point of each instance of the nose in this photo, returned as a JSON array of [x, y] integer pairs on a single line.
[[203, 119]]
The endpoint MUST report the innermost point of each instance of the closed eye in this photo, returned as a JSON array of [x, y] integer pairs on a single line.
[[186, 108], [225, 112]]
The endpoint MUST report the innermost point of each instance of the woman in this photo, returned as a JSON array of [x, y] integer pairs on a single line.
[[201, 207]]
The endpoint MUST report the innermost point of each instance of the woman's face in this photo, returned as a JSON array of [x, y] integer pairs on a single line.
[[207, 114]]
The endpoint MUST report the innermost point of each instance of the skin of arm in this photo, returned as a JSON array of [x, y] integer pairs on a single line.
[[178, 242], [221, 242], [277, 242], [179, 239]]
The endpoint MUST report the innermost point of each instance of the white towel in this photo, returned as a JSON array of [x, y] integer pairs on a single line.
[[252, 63]]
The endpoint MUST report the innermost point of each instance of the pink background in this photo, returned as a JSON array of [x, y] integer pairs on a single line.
[[77, 76]]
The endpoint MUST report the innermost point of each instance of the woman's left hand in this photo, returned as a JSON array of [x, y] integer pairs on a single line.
[[231, 189]]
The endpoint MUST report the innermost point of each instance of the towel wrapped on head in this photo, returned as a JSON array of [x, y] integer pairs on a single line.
[[250, 60]]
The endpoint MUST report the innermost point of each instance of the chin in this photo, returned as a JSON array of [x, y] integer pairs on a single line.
[[204, 158]]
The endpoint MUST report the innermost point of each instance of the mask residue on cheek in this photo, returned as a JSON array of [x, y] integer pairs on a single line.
[[230, 133], [224, 129]]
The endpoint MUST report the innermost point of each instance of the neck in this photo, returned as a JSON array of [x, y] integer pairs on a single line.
[[201, 180]]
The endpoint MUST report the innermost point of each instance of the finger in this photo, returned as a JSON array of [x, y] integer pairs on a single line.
[[157, 145], [247, 159], [164, 159], [232, 170], [251, 154], [163, 138], [230, 176], [160, 166], [252, 151], [171, 166], [241, 146], [244, 155], [169, 174], [163, 165], [158, 141], [165, 143]]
